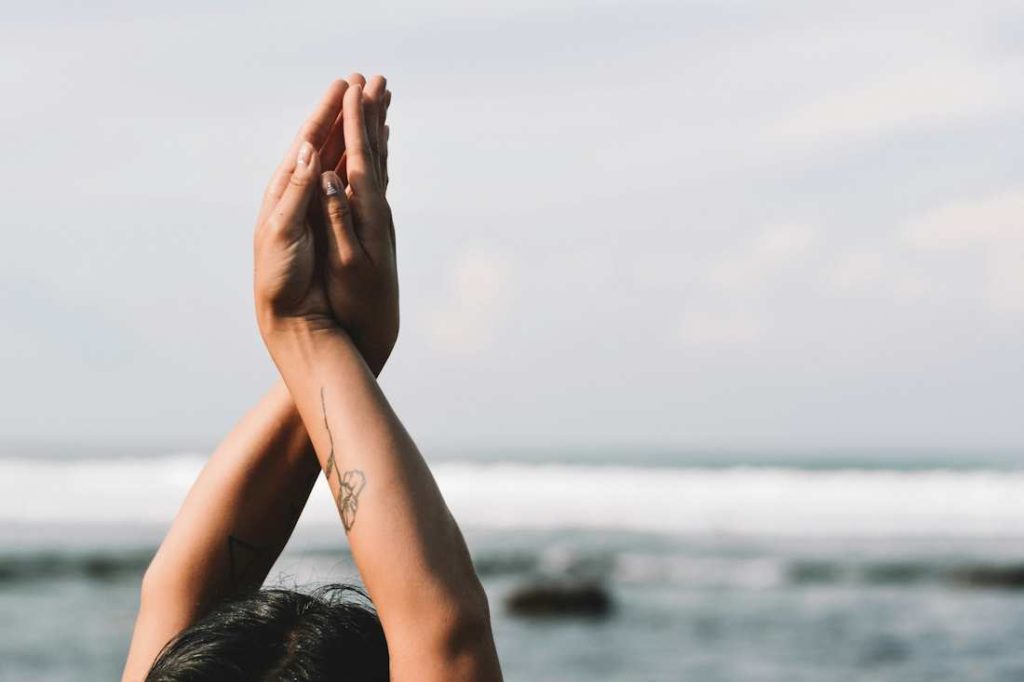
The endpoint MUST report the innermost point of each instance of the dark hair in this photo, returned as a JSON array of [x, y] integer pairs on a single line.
[[275, 635]]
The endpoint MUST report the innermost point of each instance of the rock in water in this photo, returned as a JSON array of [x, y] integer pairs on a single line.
[[589, 600], [998, 577]]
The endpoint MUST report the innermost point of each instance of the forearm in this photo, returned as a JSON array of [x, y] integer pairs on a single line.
[[407, 546], [232, 526]]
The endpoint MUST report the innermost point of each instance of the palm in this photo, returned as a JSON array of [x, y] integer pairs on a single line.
[[289, 279]]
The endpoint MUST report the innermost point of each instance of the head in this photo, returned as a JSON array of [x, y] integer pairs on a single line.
[[272, 635]]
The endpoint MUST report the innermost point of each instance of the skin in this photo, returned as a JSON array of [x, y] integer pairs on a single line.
[[231, 528], [242, 508], [327, 303], [405, 542], [359, 280]]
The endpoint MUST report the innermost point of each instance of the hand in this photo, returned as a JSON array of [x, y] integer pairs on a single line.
[[360, 274], [349, 243], [288, 289]]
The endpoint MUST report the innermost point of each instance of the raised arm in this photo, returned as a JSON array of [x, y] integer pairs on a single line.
[[242, 508], [407, 546], [231, 528]]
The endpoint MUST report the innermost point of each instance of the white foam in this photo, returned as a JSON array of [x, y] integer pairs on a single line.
[[739, 501]]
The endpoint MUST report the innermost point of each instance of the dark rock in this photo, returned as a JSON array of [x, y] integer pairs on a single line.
[[1003, 577], [589, 600]]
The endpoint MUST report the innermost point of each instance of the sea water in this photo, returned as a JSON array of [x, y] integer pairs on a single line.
[[719, 567]]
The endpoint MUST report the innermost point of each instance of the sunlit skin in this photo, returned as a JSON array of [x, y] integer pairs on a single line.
[[326, 299]]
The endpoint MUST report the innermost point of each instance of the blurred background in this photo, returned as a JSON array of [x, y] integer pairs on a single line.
[[713, 317]]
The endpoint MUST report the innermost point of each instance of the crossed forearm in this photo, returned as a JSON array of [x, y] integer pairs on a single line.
[[313, 278], [231, 528], [407, 546]]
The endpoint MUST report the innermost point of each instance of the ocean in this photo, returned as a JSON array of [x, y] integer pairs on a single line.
[[818, 567]]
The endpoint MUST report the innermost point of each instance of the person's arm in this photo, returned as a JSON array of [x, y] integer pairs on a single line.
[[231, 528], [406, 544], [243, 506]]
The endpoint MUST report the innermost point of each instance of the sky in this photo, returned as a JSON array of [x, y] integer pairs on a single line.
[[621, 225]]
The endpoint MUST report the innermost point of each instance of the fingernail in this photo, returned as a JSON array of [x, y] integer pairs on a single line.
[[304, 152], [330, 184]]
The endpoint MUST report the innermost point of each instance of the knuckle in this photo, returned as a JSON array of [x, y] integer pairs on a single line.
[[356, 176], [279, 227], [300, 179], [338, 210], [344, 263], [314, 130], [273, 224]]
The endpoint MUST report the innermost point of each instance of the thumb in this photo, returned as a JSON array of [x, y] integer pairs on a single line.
[[342, 244], [289, 216]]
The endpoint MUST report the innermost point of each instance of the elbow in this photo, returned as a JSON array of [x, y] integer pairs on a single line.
[[469, 625], [468, 643]]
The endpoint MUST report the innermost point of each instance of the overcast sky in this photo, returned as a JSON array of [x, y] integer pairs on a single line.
[[621, 224]]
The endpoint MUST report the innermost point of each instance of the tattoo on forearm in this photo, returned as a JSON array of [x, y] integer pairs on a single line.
[[350, 484], [348, 496], [330, 457]]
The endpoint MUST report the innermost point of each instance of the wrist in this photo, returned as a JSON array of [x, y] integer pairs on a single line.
[[281, 335], [305, 354], [375, 350], [274, 326]]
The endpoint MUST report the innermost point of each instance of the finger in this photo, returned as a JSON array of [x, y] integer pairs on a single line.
[[387, 176], [343, 245], [387, 138], [373, 114], [382, 148], [359, 168], [289, 215], [354, 78], [315, 131], [318, 125], [342, 168], [334, 146]]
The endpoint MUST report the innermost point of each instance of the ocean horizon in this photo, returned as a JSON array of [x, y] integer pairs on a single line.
[[716, 566]]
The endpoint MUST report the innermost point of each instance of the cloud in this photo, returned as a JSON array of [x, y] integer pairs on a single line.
[[478, 294], [884, 272], [716, 328], [1005, 281], [856, 271], [992, 221], [749, 266], [990, 227], [930, 94], [726, 305]]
